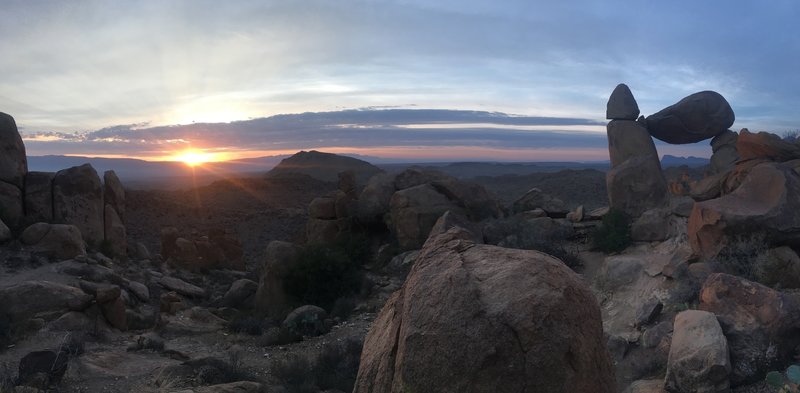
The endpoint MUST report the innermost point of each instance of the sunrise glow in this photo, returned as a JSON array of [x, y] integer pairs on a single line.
[[192, 157]]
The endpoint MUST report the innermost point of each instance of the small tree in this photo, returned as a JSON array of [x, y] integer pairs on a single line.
[[614, 234]]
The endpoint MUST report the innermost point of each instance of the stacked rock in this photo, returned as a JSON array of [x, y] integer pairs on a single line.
[[635, 182], [13, 168]]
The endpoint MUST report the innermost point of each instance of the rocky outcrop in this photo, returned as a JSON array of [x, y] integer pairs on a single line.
[[536, 199], [39, 196], [635, 182], [760, 324], [373, 203], [115, 232], [271, 299], [56, 241], [698, 357], [621, 104], [415, 211], [217, 250], [11, 208], [471, 315], [306, 321], [41, 298], [114, 194], [695, 118], [765, 145], [13, 161], [724, 155], [240, 294], [766, 202], [78, 200]]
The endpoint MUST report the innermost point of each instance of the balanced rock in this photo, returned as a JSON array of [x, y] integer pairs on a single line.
[[78, 200], [516, 316], [766, 202], [760, 324], [621, 104], [695, 118], [765, 145], [698, 357], [39, 196], [635, 182], [13, 161]]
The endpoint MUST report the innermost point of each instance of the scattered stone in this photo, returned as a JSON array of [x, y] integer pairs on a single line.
[[695, 118], [621, 104], [501, 293], [698, 357], [647, 313], [181, 287], [240, 294]]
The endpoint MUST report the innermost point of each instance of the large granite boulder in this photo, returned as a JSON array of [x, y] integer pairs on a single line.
[[114, 194], [115, 233], [39, 196], [479, 318], [271, 299], [697, 117], [698, 357], [373, 203], [11, 205], [41, 298], [766, 202], [56, 241], [635, 182], [621, 104], [415, 211], [724, 155], [13, 161], [765, 145], [78, 200], [760, 324]]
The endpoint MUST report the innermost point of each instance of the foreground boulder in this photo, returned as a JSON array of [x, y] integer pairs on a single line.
[[698, 357], [766, 202], [41, 298], [78, 200], [13, 161], [760, 324], [479, 318], [697, 117], [55, 241]]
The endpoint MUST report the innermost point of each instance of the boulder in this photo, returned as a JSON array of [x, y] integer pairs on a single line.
[[78, 200], [760, 324], [348, 184], [373, 203], [114, 194], [709, 187], [621, 104], [319, 231], [471, 315], [698, 357], [32, 298], [472, 197], [636, 186], [322, 208], [346, 205], [5, 233], [696, 117], [271, 299], [39, 196], [449, 220], [306, 321], [576, 215], [778, 267], [725, 154], [139, 290], [652, 225], [231, 247], [415, 211], [628, 139], [536, 199], [115, 313], [115, 233], [55, 241], [11, 208], [181, 287], [240, 294], [413, 177], [765, 145], [13, 161], [766, 202]]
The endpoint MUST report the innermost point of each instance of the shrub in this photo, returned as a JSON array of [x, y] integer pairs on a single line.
[[323, 274], [335, 368], [738, 257], [791, 136], [614, 234]]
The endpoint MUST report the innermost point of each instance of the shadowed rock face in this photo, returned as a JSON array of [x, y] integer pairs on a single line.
[[695, 118], [78, 200], [13, 162], [766, 202], [477, 318], [621, 105]]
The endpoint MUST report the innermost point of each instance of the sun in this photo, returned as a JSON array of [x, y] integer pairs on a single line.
[[193, 157]]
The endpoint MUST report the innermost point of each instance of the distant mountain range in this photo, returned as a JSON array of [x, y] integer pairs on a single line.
[[170, 175]]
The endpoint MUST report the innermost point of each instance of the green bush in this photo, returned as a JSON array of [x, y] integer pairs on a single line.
[[321, 274], [614, 234]]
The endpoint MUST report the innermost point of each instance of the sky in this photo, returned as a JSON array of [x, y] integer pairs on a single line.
[[151, 79]]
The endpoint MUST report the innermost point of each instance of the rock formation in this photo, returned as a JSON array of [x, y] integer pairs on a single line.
[[698, 117], [78, 200], [470, 318], [698, 356], [621, 105]]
